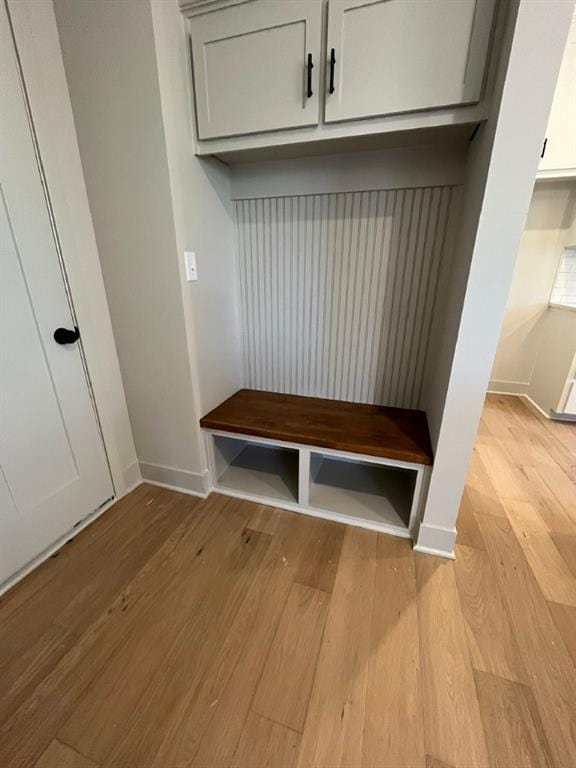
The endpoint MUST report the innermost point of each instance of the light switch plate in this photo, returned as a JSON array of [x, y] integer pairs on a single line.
[[190, 265]]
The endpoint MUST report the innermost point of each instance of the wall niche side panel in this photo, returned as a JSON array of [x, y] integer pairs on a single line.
[[338, 291]]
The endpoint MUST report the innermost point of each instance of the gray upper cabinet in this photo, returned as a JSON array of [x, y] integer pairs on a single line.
[[256, 67], [269, 73], [394, 56]]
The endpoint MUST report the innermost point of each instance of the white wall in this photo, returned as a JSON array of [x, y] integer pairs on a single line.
[[550, 227], [554, 359], [204, 220], [502, 165], [111, 67]]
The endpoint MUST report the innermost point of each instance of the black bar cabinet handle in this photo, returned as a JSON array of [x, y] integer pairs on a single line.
[[309, 67], [543, 148], [332, 63]]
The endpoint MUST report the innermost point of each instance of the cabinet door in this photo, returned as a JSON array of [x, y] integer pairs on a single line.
[[396, 56], [251, 67], [559, 151]]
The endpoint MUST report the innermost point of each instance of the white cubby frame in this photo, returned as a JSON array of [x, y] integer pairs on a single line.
[[422, 477]]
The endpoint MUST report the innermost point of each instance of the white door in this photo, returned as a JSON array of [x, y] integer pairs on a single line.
[[256, 67], [392, 56], [53, 469], [559, 150]]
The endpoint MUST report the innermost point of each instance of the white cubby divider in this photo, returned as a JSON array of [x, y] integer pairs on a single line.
[[366, 491]]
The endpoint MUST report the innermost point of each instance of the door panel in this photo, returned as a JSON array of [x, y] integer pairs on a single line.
[[53, 466], [250, 67], [396, 56], [27, 387]]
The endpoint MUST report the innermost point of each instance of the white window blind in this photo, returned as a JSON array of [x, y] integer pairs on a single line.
[[564, 290]]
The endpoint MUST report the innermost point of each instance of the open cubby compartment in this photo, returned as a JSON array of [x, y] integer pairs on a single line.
[[255, 468], [364, 491]]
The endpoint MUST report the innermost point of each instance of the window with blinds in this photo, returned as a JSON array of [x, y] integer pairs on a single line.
[[564, 289]]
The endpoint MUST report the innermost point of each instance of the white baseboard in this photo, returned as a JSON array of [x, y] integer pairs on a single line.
[[534, 405], [502, 387], [527, 399], [182, 480], [435, 552], [436, 540], [132, 477]]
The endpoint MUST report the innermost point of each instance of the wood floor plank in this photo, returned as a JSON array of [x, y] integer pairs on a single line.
[[501, 473], [550, 669], [38, 659], [30, 729], [498, 420], [514, 732], [561, 486], [146, 639], [527, 435], [560, 443], [527, 448], [566, 545], [393, 725], [452, 725], [539, 441], [565, 619], [265, 744], [431, 762], [484, 431], [192, 651], [284, 689], [78, 597], [207, 725], [556, 580], [27, 732], [556, 517], [154, 519], [32, 611], [16, 599], [493, 647], [59, 755], [333, 731], [219, 561], [467, 526], [564, 434], [481, 493], [319, 561], [266, 519]]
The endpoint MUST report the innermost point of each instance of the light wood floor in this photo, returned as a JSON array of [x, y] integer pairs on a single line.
[[220, 634]]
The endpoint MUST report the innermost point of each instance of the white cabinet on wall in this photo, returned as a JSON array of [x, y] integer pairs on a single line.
[[269, 73], [390, 56], [559, 150], [256, 67]]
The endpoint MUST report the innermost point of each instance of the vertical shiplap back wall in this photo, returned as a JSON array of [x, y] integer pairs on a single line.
[[338, 291]]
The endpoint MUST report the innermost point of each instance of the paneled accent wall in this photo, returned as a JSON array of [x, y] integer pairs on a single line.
[[338, 291]]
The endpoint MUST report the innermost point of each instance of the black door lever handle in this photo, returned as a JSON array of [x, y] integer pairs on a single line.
[[66, 336]]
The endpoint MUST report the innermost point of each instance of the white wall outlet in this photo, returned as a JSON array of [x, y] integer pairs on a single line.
[[190, 265]]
